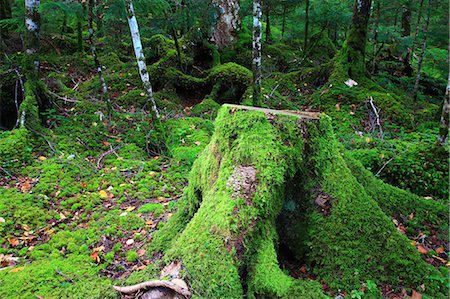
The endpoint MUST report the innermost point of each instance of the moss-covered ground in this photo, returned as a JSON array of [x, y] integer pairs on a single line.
[[81, 196]]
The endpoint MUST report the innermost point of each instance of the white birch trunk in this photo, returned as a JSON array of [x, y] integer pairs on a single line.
[[139, 53], [32, 25], [257, 34], [227, 22]]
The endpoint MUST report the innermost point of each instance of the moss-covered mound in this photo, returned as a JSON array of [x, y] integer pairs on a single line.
[[269, 181]]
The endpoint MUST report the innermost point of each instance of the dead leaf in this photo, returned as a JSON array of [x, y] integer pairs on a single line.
[[16, 269], [351, 82], [13, 242], [26, 186], [141, 252], [440, 250], [338, 106], [98, 249], [95, 257], [103, 194], [368, 139], [42, 158], [416, 295], [2, 220], [129, 242], [129, 209], [422, 249]]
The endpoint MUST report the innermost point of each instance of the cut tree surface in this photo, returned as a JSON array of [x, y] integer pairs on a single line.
[[277, 180]]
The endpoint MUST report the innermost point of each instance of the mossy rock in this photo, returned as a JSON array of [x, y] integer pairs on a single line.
[[206, 109], [230, 81]]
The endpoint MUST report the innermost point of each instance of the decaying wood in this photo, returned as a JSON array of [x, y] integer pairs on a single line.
[[300, 114], [178, 287]]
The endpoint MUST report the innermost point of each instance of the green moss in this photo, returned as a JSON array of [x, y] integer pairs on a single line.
[[154, 208], [207, 109], [15, 149], [132, 256]]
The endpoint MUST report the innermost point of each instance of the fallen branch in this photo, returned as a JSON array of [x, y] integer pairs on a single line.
[[154, 284], [377, 116], [110, 151], [390, 160]]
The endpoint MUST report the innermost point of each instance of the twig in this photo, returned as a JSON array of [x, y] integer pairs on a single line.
[[377, 116], [390, 160], [8, 173], [64, 275], [110, 151], [64, 98], [43, 136]]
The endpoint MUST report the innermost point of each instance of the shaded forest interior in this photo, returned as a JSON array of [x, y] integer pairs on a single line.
[[230, 149]]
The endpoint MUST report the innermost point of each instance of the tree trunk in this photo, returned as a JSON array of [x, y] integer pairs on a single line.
[[139, 53], [268, 34], [99, 17], [406, 19], [96, 61], [32, 20], [273, 183], [375, 36], [305, 43], [228, 21], [283, 23], [257, 74], [353, 52], [422, 53], [80, 33], [419, 16], [177, 46], [444, 123]]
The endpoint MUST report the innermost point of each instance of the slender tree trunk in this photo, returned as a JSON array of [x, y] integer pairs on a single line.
[[139, 53], [419, 16], [406, 19], [79, 34], [305, 43], [268, 39], [375, 36], [257, 74], [227, 22], [283, 23], [96, 61], [99, 17], [445, 124], [177, 46], [5, 13], [422, 53]]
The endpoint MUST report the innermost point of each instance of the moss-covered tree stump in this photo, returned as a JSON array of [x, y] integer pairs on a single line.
[[269, 180]]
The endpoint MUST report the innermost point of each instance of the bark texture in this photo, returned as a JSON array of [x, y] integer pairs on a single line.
[[139, 53], [96, 60], [354, 49], [257, 34], [270, 179], [422, 53], [445, 123], [32, 20], [228, 22]]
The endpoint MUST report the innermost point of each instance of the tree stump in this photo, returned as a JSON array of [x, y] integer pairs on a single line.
[[272, 181]]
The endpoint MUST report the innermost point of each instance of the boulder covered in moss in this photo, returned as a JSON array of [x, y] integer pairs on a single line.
[[271, 184]]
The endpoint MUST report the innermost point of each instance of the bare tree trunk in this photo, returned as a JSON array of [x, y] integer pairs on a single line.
[[227, 22], [96, 61], [99, 17], [257, 75], [406, 19], [422, 53], [445, 124], [268, 39], [305, 44], [375, 37], [283, 24], [139, 53], [419, 16]]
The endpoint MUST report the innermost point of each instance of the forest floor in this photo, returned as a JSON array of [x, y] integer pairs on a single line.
[[78, 211]]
